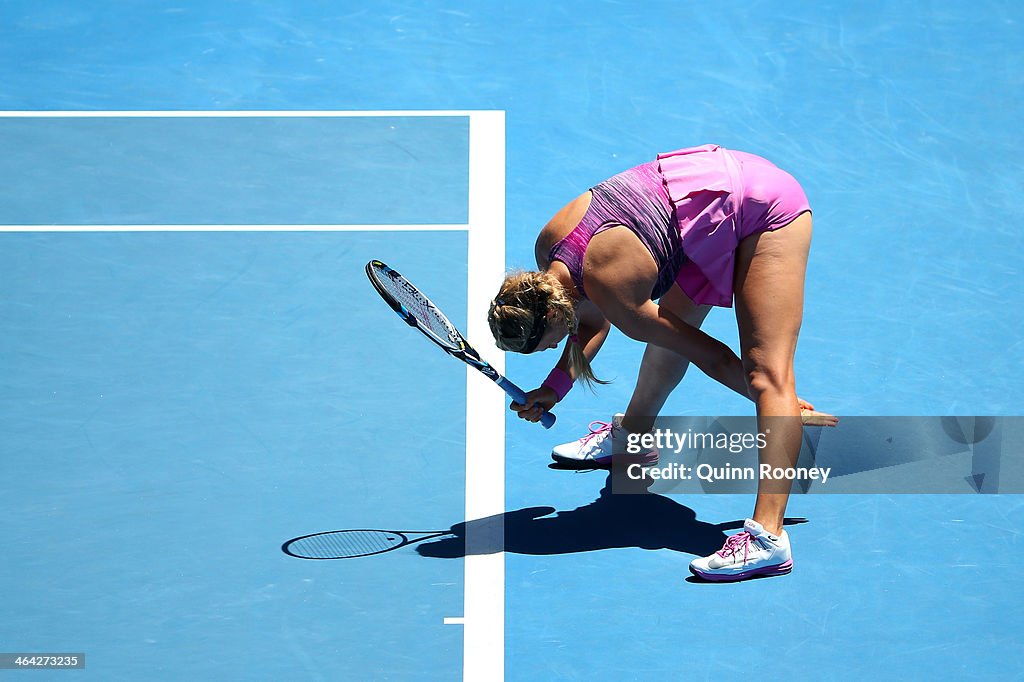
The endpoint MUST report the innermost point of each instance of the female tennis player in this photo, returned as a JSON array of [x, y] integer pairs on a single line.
[[650, 251]]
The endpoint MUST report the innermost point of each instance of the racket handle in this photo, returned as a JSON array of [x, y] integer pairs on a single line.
[[547, 419]]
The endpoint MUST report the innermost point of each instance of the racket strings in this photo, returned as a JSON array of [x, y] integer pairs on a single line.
[[425, 312]]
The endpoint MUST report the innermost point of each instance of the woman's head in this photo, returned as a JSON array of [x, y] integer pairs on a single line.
[[529, 308], [533, 311]]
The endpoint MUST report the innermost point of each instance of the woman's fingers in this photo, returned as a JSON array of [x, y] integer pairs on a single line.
[[537, 402], [811, 417], [529, 411], [814, 418]]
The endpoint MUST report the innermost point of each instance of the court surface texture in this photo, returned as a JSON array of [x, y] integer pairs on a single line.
[[194, 368]]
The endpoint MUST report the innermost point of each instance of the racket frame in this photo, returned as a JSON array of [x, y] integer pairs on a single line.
[[463, 351]]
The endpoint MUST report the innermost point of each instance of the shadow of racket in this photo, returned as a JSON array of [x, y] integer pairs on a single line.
[[352, 544]]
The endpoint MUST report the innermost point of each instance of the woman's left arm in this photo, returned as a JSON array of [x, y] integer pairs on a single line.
[[654, 324], [621, 290], [651, 323]]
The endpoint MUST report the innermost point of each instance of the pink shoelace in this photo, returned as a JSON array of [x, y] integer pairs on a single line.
[[733, 544], [603, 427]]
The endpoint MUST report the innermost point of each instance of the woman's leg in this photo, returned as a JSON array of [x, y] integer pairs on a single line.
[[661, 370], [769, 286]]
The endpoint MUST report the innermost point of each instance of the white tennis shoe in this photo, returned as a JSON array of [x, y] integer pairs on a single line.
[[604, 444], [751, 553]]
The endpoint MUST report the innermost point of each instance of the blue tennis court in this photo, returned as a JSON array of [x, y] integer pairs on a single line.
[[194, 368]]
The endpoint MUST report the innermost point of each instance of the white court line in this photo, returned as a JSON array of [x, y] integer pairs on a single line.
[[484, 634], [233, 228], [286, 113], [484, 597]]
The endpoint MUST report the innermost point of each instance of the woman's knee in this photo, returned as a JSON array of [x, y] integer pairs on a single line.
[[769, 378]]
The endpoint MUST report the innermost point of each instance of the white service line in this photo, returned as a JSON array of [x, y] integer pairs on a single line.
[[285, 113]]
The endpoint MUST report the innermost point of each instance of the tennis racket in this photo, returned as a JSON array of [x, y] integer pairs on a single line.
[[417, 311], [349, 544]]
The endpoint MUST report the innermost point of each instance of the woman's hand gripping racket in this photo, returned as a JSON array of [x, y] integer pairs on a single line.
[[417, 311]]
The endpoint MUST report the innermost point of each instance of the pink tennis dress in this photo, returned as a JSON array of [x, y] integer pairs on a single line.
[[690, 208], [720, 197]]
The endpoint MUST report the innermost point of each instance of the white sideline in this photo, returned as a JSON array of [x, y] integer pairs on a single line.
[[484, 634]]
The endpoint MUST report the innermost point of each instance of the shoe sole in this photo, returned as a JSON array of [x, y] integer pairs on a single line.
[[606, 462], [779, 569]]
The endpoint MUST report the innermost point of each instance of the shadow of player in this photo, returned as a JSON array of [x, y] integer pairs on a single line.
[[644, 520]]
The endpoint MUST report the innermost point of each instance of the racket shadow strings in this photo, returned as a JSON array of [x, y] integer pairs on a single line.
[[354, 543]]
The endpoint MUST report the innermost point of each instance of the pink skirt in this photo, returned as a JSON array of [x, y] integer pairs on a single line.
[[721, 197]]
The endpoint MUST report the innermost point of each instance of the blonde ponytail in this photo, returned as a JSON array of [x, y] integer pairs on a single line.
[[580, 366]]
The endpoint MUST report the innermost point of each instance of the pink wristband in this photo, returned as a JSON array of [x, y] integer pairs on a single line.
[[559, 382]]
